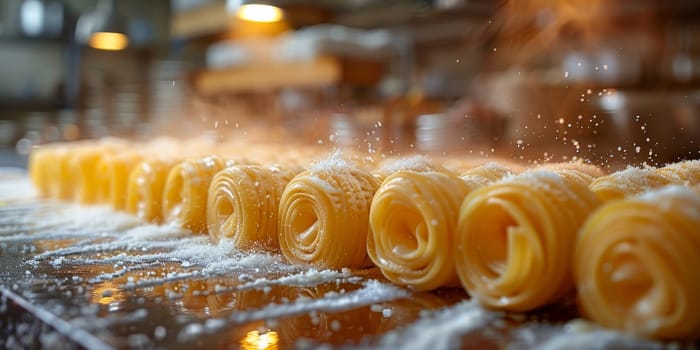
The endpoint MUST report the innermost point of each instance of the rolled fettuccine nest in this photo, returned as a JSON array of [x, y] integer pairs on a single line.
[[186, 190], [413, 219], [637, 264], [243, 203], [515, 238], [145, 188], [633, 181], [323, 217]]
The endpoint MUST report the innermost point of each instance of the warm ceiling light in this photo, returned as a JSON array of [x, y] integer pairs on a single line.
[[260, 13], [102, 28], [108, 41]]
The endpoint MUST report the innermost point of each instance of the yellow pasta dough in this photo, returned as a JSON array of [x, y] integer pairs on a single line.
[[186, 189], [85, 163], [243, 202], [460, 165], [629, 182], [146, 186], [687, 172], [413, 218], [515, 238], [61, 176], [323, 218], [67, 170], [589, 170], [414, 163], [113, 172], [39, 163], [637, 264], [485, 174]]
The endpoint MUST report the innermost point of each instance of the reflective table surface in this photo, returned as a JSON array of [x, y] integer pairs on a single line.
[[88, 277]]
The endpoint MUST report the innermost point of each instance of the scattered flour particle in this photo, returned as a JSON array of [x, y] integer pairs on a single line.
[[314, 317], [579, 326], [191, 331], [244, 277], [138, 341], [214, 324]]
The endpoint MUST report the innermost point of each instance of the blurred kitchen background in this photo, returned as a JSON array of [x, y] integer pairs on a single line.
[[612, 81]]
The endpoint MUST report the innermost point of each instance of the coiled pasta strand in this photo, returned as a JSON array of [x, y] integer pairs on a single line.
[[113, 171], [515, 238], [146, 186], [486, 173], [637, 264], [62, 178], [589, 170], [412, 218], [416, 163], [243, 204], [629, 182], [324, 216], [68, 170], [185, 192], [687, 172], [39, 162], [85, 162]]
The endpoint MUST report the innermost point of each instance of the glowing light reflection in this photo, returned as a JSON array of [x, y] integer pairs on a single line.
[[260, 13], [108, 41], [255, 340], [108, 293]]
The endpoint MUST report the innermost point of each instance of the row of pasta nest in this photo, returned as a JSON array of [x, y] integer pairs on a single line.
[[516, 239]]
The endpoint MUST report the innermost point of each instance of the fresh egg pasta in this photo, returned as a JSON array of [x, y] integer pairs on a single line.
[[186, 190], [589, 170], [85, 163], [485, 174], [243, 203], [629, 182], [637, 264], [145, 189], [323, 217], [413, 218], [114, 170], [39, 162], [687, 172], [62, 179], [68, 171], [515, 238], [414, 163]]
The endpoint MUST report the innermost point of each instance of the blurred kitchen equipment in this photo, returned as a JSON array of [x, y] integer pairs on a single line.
[[102, 29], [42, 18]]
